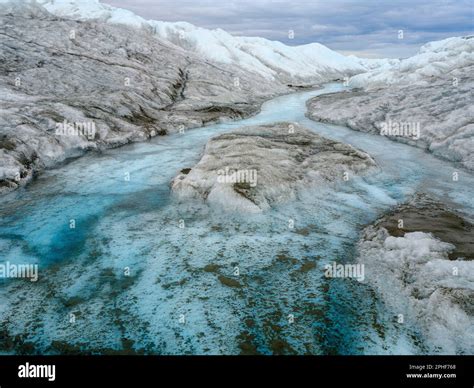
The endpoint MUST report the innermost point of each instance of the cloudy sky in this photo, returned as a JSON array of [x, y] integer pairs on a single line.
[[367, 28]]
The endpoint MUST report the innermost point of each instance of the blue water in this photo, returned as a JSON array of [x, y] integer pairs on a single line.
[[171, 303]]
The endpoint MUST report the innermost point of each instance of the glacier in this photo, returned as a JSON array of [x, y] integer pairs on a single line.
[[129, 265]]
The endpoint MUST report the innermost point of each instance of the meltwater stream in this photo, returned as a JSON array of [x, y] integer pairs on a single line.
[[140, 273]]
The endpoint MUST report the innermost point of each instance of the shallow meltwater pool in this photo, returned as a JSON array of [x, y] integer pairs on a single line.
[[124, 267]]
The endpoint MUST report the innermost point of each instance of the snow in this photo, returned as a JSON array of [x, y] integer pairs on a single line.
[[172, 86], [434, 60], [415, 277], [311, 63], [375, 63], [298, 61], [307, 63], [91, 9], [434, 97], [135, 224]]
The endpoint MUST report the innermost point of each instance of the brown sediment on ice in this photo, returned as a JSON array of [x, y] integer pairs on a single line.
[[276, 160], [423, 214]]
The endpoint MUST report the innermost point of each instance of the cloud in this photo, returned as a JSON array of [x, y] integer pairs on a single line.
[[368, 27]]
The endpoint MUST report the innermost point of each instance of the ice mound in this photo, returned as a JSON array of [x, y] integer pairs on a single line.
[[252, 168], [418, 277]]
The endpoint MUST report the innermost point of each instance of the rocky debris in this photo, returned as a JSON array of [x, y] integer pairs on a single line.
[[424, 271], [254, 167], [70, 86]]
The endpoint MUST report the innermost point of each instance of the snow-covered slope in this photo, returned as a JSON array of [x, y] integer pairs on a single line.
[[441, 112], [424, 272], [375, 63], [111, 85], [302, 64], [435, 59], [433, 90]]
